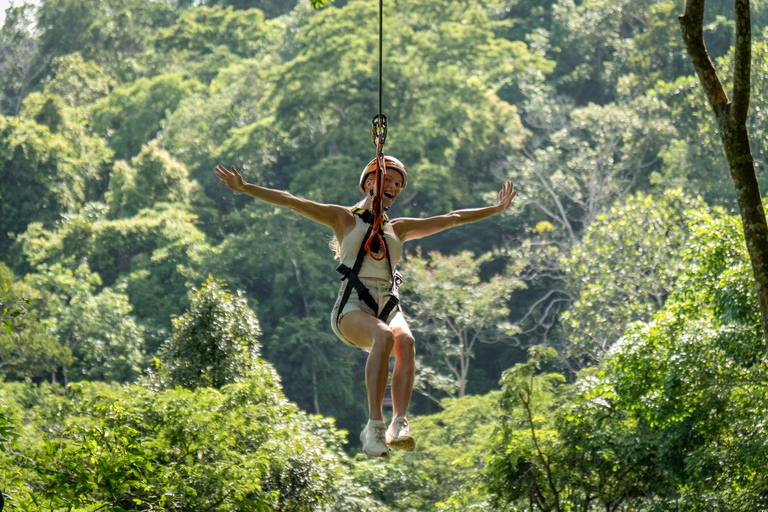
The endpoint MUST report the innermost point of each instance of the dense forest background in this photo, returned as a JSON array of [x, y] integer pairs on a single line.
[[166, 342]]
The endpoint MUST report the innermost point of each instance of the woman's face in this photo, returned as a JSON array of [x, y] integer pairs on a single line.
[[393, 184]]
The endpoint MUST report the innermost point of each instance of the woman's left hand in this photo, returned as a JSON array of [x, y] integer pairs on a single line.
[[506, 195]]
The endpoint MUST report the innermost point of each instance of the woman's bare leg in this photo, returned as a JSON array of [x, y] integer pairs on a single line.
[[370, 333], [405, 365]]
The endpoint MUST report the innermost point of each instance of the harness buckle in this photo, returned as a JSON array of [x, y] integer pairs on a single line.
[[344, 271]]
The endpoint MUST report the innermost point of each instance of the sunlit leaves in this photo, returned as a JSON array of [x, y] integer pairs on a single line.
[[44, 174], [215, 342], [240, 448], [151, 177], [624, 269]]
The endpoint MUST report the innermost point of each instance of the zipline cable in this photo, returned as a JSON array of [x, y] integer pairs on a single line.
[[379, 138]]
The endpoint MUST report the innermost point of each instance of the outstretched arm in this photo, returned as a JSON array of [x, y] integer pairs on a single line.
[[334, 216], [411, 229]]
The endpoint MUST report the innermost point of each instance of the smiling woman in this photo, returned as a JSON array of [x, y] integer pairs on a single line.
[[371, 318]]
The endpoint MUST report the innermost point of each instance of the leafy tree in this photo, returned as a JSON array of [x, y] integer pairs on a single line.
[[93, 323], [11, 302], [155, 255], [113, 33], [215, 342], [649, 61], [242, 447], [592, 38], [271, 8], [624, 269], [696, 160], [44, 174], [579, 162], [200, 31], [77, 81], [229, 103], [27, 350], [152, 177], [693, 374], [564, 447], [670, 420], [131, 114], [454, 310], [524, 468]]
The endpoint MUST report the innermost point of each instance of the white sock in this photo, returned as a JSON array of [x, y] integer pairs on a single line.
[[374, 422]]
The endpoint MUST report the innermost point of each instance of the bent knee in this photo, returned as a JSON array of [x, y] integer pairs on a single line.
[[384, 339], [405, 344]]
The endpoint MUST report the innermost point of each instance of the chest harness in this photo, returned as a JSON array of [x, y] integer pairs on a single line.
[[353, 281]]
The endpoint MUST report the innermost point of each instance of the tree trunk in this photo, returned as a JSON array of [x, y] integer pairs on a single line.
[[731, 119]]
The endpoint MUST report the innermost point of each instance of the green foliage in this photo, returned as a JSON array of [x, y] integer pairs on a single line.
[[229, 102], [113, 33], [215, 342], [44, 174], [525, 455], [240, 448], [624, 269], [152, 177], [93, 323], [22, 61], [696, 161], [672, 418], [131, 115], [200, 31], [155, 254], [27, 350], [270, 8], [688, 374], [11, 307], [453, 310], [317, 4], [77, 81]]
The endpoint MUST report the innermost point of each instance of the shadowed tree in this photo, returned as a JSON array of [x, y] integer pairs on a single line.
[[731, 118]]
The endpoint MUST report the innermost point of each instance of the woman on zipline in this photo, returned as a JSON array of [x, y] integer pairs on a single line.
[[371, 318]]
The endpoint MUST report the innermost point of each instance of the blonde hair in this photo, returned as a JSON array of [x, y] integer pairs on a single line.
[[335, 246]]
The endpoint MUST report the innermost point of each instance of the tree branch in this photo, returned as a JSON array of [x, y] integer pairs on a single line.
[[693, 33]]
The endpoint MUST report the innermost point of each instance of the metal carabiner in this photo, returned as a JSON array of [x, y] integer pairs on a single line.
[[379, 135]]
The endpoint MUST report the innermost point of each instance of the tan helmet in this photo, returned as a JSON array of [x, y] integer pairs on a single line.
[[391, 163]]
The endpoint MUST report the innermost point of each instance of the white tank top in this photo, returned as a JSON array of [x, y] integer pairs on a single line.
[[370, 268]]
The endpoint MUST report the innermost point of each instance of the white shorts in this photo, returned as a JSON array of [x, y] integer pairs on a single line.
[[380, 291]]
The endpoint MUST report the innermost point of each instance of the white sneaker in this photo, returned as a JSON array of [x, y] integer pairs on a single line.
[[372, 438], [399, 435]]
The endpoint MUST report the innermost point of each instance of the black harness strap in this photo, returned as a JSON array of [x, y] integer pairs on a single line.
[[353, 281]]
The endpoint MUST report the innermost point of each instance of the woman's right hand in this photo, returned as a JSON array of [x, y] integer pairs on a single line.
[[232, 178]]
